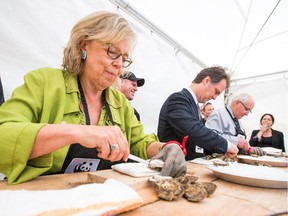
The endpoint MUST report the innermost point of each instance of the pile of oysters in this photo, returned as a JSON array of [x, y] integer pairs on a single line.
[[169, 188]]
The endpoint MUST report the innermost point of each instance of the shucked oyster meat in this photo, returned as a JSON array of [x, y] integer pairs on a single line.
[[168, 188]]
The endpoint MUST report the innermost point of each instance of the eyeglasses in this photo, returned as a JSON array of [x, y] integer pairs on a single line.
[[113, 53], [246, 108]]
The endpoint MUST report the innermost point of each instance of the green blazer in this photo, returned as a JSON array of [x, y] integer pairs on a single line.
[[51, 96]]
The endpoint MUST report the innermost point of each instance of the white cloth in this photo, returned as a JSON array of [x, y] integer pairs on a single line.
[[24, 202]]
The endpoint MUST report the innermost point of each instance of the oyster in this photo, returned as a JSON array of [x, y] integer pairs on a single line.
[[186, 180], [222, 157], [209, 187], [156, 164], [219, 162], [167, 188], [195, 192], [258, 163]]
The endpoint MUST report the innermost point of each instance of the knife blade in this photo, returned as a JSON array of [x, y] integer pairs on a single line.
[[138, 159]]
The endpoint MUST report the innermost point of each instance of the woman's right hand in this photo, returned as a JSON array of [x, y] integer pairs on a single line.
[[264, 127], [52, 137], [110, 142]]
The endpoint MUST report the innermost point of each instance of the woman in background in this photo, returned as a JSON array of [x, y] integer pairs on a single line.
[[206, 109], [266, 136]]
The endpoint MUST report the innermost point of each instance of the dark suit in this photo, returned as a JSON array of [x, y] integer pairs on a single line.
[[277, 140], [179, 117]]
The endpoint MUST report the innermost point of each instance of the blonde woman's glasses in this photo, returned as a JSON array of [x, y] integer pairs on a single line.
[[113, 53]]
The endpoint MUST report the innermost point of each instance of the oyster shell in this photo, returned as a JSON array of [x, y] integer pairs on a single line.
[[209, 187], [222, 157], [167, 189], [186, 180], [195, 192], [156, 164], [219, 162]]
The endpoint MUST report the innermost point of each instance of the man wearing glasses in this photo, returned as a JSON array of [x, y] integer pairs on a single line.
[[225, 121], [129, 85]]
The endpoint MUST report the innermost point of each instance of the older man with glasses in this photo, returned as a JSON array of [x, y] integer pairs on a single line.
[[225, 121]]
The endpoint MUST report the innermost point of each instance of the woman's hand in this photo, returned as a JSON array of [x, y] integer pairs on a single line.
[[110, 142], [256, 151], [264, 127], [174, 161]]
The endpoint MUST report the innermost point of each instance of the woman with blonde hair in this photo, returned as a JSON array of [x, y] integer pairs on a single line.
[[70, 120]]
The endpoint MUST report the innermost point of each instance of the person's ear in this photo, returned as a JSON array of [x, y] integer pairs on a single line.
[[206, 80], [82, 45]]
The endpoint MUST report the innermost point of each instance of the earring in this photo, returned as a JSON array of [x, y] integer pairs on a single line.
[[83, 54]]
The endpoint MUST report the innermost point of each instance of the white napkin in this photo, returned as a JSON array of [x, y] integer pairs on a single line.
[[135, 169]]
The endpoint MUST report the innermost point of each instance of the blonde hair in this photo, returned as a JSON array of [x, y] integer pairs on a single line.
[[106, 27]]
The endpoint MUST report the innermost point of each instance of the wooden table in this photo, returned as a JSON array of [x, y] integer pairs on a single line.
[[228, 199]]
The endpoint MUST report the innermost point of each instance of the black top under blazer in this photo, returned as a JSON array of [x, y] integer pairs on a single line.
[[179, 117]]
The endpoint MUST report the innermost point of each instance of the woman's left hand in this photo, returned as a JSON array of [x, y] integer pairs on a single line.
[[174, 161]]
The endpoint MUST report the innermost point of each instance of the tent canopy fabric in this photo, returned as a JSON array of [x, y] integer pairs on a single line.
[[33, 34]]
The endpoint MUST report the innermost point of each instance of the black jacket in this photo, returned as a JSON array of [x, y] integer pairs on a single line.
[[277, 140], [179, 117]]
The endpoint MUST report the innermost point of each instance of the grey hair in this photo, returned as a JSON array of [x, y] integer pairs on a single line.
[[243, 97]]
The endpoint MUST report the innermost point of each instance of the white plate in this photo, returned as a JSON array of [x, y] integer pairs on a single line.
[[269, 160], [257, 176], [201, 160]]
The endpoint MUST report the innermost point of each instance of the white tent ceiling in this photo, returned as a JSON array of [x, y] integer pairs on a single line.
[[246, 36], [33, 34]]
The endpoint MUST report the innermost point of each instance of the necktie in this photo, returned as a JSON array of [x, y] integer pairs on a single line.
[[238, 128], [236, 122]]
